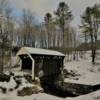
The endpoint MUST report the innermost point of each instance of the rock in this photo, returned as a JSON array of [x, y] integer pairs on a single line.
[[25, 91], [28, 78], [29, 91]]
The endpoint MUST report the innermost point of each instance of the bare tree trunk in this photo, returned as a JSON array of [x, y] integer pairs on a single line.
[[2, 61]]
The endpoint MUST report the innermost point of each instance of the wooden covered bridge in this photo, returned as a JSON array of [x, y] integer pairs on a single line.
[[41, 62]]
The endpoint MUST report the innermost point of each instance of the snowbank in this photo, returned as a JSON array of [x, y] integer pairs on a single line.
[[91, 96], [43, 96], [8, 85]]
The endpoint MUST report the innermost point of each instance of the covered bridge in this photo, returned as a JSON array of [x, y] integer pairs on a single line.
[[41, 62]]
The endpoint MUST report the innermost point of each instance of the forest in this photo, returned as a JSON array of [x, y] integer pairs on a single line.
[[55, 32]]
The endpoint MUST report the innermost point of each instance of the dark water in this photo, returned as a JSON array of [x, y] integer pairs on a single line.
[[68, 89]]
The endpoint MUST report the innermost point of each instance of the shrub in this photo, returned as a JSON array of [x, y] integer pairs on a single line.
[[11, 74], [11, 89], [4, 90], [4, 77]]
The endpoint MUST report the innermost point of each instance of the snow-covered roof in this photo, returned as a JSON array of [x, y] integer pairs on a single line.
[[30, 50]]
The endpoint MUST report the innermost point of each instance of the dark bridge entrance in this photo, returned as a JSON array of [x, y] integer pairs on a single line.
[[26, 62]]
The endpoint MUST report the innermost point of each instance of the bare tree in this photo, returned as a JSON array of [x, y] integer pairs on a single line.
[[90, 24], [27, 28], [48, 20], [5, 30]]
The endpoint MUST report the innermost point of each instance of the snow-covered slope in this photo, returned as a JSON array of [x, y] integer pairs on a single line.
[[85, 72]]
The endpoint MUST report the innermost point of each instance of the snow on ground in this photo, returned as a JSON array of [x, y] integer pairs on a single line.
[[40, 96], [85, 72], [91, 96], [44, 96], [8, 85]]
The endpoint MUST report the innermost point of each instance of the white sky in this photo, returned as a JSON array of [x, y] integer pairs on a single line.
[[40, 7]]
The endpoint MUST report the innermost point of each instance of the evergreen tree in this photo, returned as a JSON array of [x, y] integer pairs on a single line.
[[63, 16]]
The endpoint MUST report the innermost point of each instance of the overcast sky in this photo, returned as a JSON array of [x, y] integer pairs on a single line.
[[40, 7]]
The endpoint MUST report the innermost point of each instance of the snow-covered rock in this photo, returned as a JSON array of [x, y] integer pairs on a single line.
[[8, 85]]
